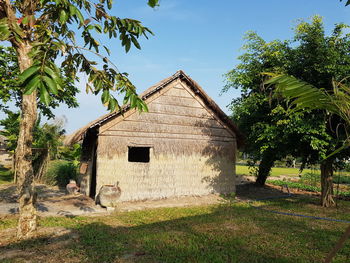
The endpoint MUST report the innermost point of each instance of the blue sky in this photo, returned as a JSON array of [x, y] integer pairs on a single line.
[[203, 38]]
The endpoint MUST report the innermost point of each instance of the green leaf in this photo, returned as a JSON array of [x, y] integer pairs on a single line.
[[44, 95], [28, 73], [144, 106], [53, 75], [4, 29], [105, 96], [133, 101], [98, 28], [32, 85], [107, 50], [153, 3], [109, 4], [347, 2], [63, 16], [80, 16], [135, 42], [18, 30], [51, 85], [72, 10], [112, 104], [127, 45]]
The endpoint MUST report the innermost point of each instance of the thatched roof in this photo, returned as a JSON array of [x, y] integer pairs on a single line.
[[79, 134]]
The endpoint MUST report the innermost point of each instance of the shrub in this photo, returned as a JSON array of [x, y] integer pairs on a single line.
[[312, 179], [59, 172]]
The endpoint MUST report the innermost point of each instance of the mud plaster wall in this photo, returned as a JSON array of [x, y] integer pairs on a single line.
[[191, 152]]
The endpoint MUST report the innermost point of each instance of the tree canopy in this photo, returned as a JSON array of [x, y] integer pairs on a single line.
[[55, 41], [10, 91], [272, 130]]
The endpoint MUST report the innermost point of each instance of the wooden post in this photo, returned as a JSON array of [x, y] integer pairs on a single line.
[[338, 246]]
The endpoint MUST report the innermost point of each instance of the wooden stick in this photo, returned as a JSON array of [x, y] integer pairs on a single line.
[[338, 246]]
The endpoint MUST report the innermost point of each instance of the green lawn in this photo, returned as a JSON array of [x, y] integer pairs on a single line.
[[277, 171], [6, 176], [219, 233]]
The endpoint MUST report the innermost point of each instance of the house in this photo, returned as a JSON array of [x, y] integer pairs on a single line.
[[184, 145]]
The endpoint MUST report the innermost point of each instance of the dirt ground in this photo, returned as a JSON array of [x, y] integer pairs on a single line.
[[53, 201]]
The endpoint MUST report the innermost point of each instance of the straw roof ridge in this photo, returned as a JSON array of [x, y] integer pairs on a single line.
[[79, 134]]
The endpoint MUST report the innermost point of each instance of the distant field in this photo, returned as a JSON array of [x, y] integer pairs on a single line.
[[276, 171]]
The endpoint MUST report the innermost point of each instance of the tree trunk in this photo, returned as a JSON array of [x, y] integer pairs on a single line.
[[327, 183], [13, 168], [27, 221], [265, 166]]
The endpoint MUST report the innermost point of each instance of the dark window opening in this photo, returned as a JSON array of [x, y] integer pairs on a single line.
[[138, 154]]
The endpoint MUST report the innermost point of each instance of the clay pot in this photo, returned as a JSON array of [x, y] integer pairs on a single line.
[[72, 187], [109, 195]]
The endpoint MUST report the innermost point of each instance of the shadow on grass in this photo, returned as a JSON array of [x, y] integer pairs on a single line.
[[251, 191], [220, 234]]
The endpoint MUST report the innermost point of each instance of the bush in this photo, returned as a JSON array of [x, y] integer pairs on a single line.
[[59, 172], [312, 179]]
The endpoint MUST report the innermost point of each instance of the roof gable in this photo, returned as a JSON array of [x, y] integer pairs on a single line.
[[152, 94]]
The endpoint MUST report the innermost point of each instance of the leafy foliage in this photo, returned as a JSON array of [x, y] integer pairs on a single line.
[[59, 172], [10, 129], [347, 2], [272, 130], [307, 97], [47, 145], [71, 153], [52, 27], [43, 33], [8, 71], [46, 136], [11, 91]]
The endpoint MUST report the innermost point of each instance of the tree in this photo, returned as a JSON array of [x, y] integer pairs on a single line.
[[10, 91], [272, 131], [10, 129], [47, 141], [347, 2], [43, 31], [304, 96]]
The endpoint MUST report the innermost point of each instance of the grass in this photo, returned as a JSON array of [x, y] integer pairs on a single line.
[[276, 171], [6, 176], [294, 172], [309, 179], [234, 232], [217, 233], [308, 187]]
